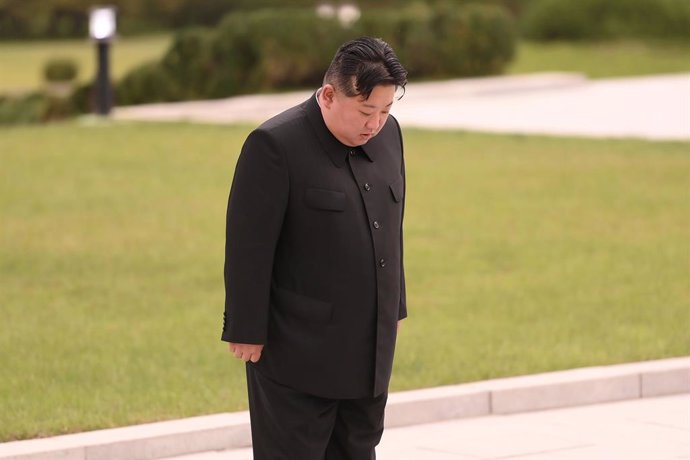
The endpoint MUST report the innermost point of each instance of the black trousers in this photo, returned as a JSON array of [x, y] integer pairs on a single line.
[[291, 425]]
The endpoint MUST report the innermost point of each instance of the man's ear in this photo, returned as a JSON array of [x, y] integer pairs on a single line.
[[327, 95]]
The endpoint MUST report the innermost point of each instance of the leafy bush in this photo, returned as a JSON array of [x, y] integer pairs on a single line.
[[69, 18], [247, 52], [286, 48], [60, 70], [35, 107], [475, 40], [188, 62], [447, 41], [149, 82], [83, 98], [606, 19], [410, 32], [22, 109], [289, 48]]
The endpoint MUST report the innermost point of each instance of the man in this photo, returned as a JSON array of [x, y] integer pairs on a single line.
[[313, 265]]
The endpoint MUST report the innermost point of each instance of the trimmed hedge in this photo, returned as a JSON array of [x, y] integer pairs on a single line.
[[60, 70], [606, 19], [148, 82], [269, 50], [278, 49], [447, 41], [37, 107]]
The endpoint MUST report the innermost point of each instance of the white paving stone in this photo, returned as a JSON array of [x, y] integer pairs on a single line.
[[641, 429]]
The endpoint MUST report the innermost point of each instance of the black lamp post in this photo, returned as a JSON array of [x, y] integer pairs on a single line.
[[102, 28]]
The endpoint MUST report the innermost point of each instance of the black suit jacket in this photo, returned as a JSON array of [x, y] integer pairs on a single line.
[[314, 261]]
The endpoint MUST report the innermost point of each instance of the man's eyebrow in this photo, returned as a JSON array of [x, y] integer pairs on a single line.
[[370, 106]]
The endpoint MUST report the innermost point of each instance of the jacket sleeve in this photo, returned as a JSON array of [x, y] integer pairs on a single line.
[[256, 207], [402, 311]]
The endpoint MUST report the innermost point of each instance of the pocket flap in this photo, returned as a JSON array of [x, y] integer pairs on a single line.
[[397, 189], [329, 200]]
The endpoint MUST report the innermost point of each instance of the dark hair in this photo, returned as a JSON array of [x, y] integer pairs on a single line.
[[362, 64]]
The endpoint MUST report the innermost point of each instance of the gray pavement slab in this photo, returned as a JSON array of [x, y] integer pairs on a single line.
[[641, 429], [651, 107]]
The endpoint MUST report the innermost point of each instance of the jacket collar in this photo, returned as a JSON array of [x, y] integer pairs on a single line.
[[335, 149]]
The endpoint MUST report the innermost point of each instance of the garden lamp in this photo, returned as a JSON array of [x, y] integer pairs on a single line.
[[102, 27]]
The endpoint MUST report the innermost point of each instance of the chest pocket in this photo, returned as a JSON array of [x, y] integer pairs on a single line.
[[326, 200], [397, 189]]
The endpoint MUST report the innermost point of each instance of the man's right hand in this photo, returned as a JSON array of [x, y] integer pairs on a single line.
[[246, 351]]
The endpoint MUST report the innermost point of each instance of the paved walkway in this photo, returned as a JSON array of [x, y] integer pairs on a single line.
[[641, 429], [655, 107]]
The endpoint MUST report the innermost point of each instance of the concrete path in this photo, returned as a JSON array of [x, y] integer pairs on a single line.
[[642, 429], [656, 107]]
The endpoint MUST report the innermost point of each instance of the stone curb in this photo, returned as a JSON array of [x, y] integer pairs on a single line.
[[553, 390]]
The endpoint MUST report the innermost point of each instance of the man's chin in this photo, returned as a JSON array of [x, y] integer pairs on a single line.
[[359, 140]]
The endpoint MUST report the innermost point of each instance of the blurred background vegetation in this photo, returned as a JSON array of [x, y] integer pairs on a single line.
[[21, 19], [173, 50]]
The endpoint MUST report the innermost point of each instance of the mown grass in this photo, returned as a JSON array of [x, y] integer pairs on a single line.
[[21, 63], [523, 254], [603, 60]]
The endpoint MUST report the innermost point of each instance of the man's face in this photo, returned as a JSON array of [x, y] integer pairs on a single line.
[[355, 120]]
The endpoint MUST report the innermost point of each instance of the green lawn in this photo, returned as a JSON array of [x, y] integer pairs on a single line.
[[524, 254], [21, 63], [602, 60]]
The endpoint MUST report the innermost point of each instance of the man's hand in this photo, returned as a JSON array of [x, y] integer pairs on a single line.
[[246, 351]]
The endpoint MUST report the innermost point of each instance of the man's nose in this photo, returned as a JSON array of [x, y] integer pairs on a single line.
[[373, 122]]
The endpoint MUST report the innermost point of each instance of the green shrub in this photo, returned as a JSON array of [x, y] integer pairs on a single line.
[[188, 62], [60, 70], [447, 41], [35, 107], [22, 109], [69, 18], [266, 50], [410, 32], [474, 40], [606, 19], [58, 108], [288, 48], [149, 82], [196, 66], [83, 98], [234, 57], [209, 12], [247, 52]]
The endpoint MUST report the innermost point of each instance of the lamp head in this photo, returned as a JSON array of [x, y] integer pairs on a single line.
[[102, 23]]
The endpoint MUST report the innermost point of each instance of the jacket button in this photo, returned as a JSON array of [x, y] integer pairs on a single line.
[[382, 263], [367, 187], [376, 224]]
